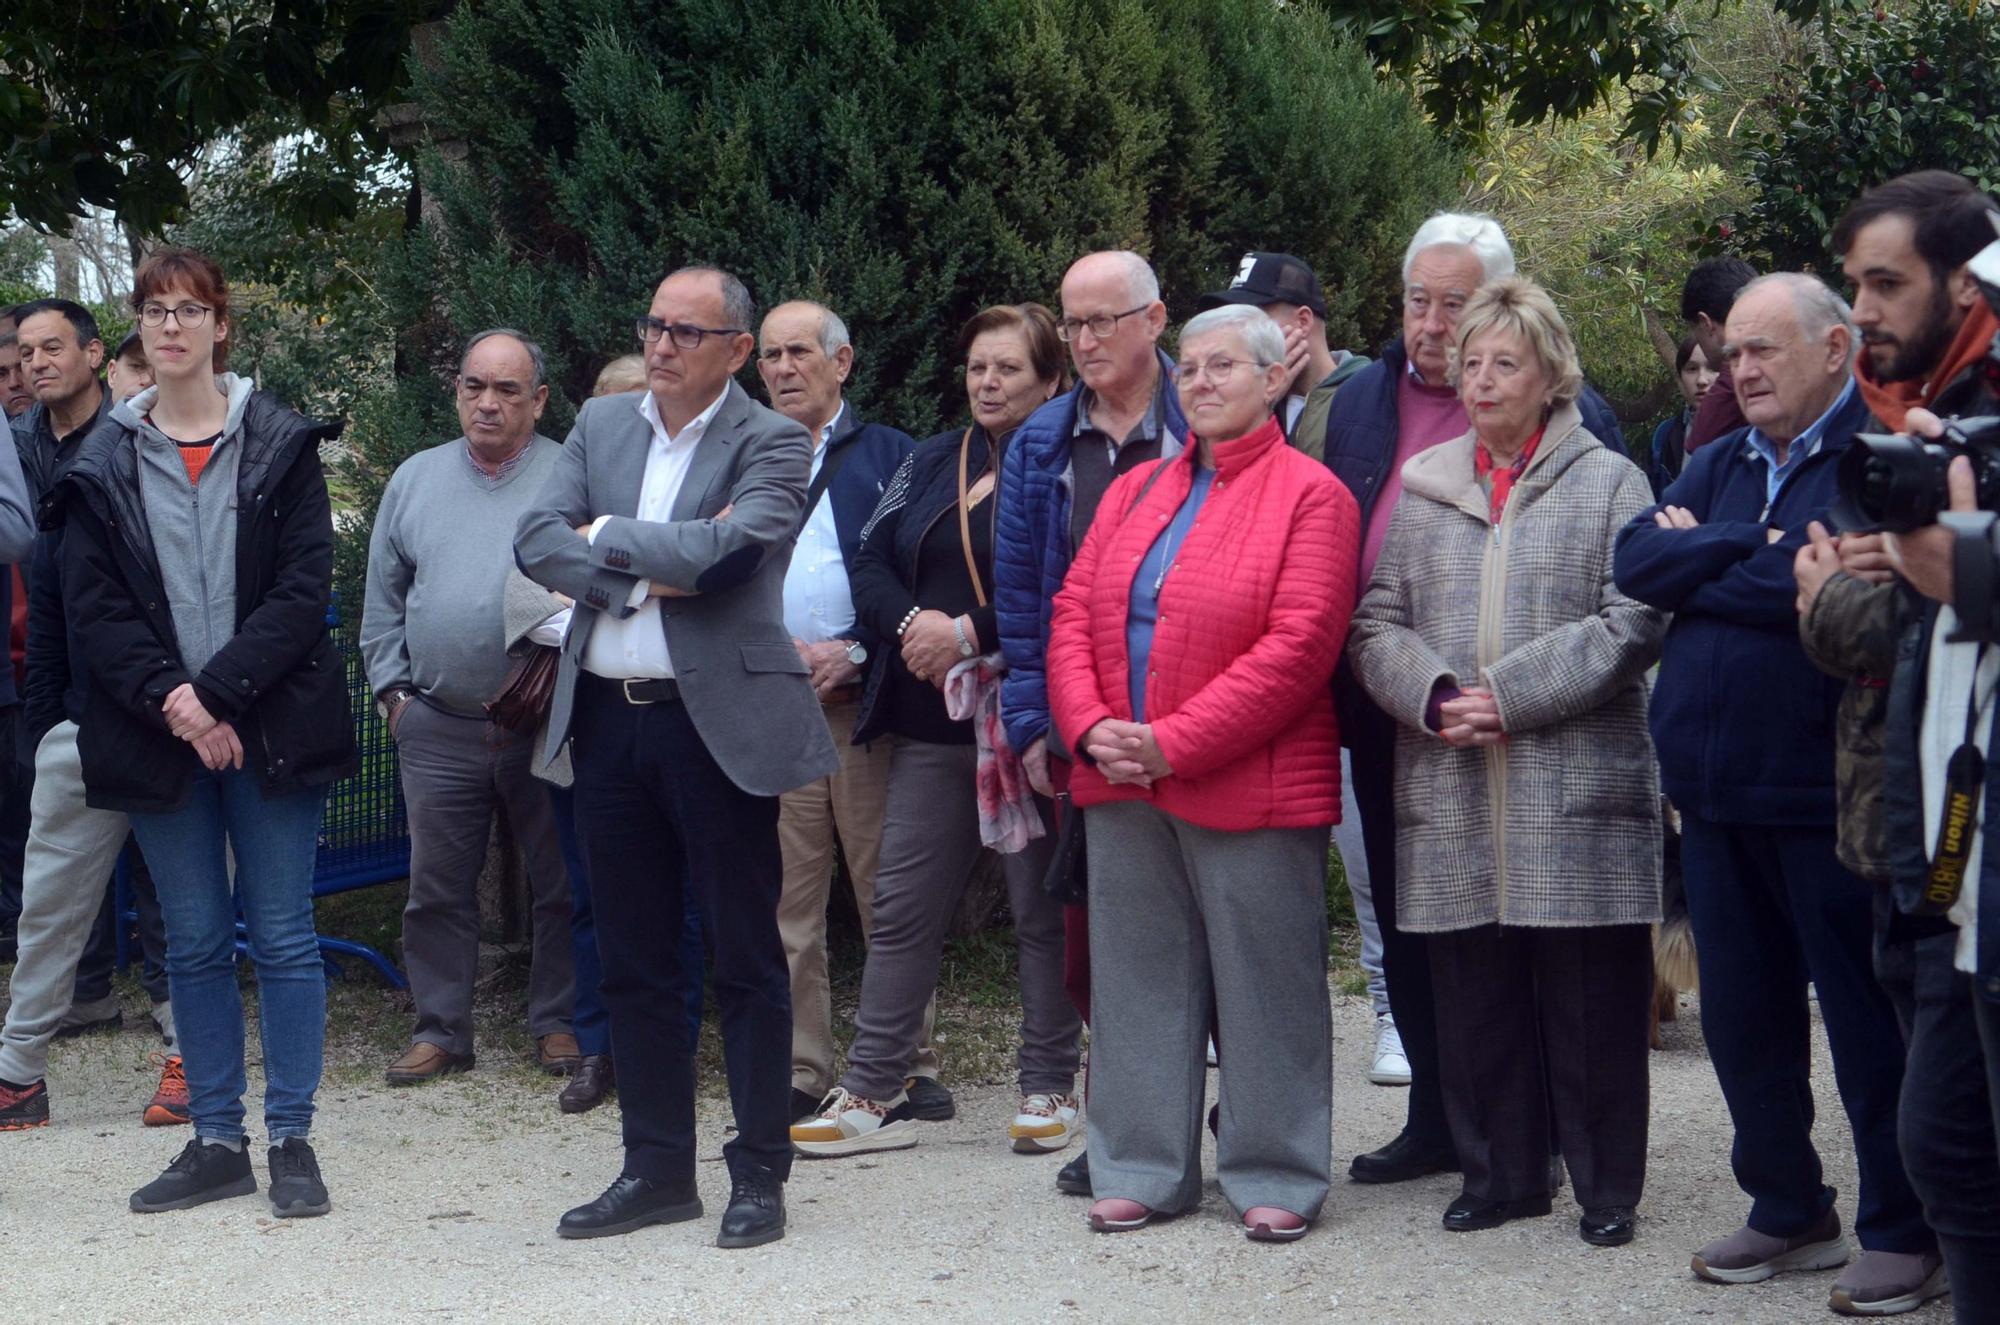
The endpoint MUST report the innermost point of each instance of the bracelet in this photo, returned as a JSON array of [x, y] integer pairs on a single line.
[[965, 647], [908, 617]]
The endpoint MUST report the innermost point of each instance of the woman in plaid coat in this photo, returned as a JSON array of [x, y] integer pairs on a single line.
[[1527, 798]]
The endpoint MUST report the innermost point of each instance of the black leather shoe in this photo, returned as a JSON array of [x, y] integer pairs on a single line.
[[631, 1203], [756, 1213], [1610, 1226], [930, 1102], [1469, 1214], [1074, 1177], [589, 1086], [804, 1104], [1403, 1159]]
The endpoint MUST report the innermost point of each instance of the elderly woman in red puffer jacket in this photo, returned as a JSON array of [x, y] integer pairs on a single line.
[[1190, 660]]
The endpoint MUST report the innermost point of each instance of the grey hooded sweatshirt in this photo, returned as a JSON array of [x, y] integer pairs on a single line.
[[193, 525]]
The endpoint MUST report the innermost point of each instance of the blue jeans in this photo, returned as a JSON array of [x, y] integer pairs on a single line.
[[592, 1024], [275, 840]]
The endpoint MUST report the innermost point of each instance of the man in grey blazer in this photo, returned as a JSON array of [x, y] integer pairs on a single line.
[[669, 518]]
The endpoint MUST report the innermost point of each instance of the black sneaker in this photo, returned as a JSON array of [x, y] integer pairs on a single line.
[[296, 1189], [22, 1107], [930, 1102], [199, 1174]]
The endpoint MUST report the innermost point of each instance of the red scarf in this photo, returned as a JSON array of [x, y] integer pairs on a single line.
[[1503, 480]]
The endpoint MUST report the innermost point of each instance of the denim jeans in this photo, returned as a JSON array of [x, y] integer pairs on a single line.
[[274, 839]]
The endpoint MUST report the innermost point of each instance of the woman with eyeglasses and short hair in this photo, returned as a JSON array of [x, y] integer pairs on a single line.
[[198, 563], [1190, 665]]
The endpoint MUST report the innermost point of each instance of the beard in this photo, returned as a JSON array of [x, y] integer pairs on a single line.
[[1917, 358]]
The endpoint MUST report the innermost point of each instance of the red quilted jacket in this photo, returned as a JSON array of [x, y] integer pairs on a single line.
[[1250, 626]]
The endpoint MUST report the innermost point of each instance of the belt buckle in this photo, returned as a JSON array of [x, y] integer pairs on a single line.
[[626, 685]]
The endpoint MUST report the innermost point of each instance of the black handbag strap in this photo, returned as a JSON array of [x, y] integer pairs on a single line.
[[827, 469]]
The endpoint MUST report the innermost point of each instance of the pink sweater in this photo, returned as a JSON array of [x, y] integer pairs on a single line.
[[1426, 416]]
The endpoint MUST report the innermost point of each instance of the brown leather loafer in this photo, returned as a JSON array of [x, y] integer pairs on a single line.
[[589, 1086], [558, 1054], [426, 1062]]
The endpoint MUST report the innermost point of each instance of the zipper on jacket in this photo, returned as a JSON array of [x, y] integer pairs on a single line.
[[1493, 578]]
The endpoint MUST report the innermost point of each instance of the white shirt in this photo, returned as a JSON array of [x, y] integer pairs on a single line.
[[819, 603], [637, 645], [1948, 690]]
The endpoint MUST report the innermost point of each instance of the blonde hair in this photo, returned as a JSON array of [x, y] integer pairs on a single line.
[[625, 373], [1517, 304]]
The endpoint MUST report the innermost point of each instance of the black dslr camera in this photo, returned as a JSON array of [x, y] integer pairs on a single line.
[[1897, 483]]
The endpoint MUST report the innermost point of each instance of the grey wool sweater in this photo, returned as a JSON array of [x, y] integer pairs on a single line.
[[437, 569]]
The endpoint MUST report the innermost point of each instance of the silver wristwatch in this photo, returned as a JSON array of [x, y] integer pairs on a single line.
[[965, 646], [857, 652]]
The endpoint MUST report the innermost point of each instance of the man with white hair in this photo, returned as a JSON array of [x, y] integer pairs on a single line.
[[1399, 405], [1743, 725], [1123, 412], [804, 355]]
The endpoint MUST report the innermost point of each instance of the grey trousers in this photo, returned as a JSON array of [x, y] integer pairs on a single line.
[[1180, 915], [452, 781], [71, 851], [930, 842]]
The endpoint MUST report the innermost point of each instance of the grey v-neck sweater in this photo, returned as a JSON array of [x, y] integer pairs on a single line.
[[437, 568]]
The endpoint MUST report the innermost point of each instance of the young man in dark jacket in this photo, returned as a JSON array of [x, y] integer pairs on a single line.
[[1743, 727], [1906, 246]]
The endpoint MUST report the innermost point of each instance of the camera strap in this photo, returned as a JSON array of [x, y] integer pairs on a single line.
[[1958, 819]]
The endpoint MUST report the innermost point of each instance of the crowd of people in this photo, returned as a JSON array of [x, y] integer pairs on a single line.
[[1143, 625]]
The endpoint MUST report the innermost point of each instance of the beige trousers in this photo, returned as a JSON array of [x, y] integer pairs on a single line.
[[849, 803]]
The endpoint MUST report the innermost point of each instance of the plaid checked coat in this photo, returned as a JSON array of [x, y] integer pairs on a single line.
[[1559, 825]]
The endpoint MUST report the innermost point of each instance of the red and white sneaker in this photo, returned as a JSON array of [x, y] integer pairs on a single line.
[[1045, 1122], [847, 1124], [169, 1107]]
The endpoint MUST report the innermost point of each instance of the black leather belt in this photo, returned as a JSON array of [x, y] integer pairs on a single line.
[[639, 690]]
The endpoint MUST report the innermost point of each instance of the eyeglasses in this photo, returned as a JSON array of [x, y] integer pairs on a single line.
[[472, 388], [1103, 326], [685, 337], [188, 315], [1217, 370]]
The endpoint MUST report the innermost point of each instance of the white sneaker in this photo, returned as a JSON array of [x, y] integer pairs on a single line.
[[1045, 1122], [1392, 1066], [846, 1124]]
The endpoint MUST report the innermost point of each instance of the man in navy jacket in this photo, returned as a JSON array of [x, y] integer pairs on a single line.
[[804, 356], [1744, 725]]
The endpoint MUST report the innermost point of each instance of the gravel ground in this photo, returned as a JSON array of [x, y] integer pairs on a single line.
[[446, 1199]]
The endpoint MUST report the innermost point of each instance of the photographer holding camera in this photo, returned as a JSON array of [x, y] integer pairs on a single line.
[[1922, 248]]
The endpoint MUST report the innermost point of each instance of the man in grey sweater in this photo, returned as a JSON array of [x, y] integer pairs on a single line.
[[433, 640]]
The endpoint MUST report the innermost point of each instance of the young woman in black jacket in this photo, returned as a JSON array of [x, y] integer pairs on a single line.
[[198, 562]]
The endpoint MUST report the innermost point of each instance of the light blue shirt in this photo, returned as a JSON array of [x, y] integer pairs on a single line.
[[819, 602], [1803, 448], [1149, 580]]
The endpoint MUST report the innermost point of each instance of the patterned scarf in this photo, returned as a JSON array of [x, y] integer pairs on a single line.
[[1501, 481]]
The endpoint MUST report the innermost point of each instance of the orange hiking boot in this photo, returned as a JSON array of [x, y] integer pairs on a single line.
[[170, 1102], [22, 1107]]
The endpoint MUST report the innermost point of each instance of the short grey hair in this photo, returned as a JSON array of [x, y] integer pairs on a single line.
[[535, 355], [737, 308], [1818, 305], [832, 331], [1475, 230], [1139, 276], [1261, 335]]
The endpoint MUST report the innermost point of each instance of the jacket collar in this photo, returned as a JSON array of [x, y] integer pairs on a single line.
[[1239, 453], [1445, 472]]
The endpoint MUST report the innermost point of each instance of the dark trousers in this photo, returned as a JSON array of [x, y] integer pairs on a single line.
[[17, 781], [1773, 909], [100, 954], [661, 821], [1406, 963], [590, 1021], [1949, 1125], [1542, 1032]]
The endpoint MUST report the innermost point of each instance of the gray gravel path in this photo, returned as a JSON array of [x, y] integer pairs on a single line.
[[446, 1199]]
